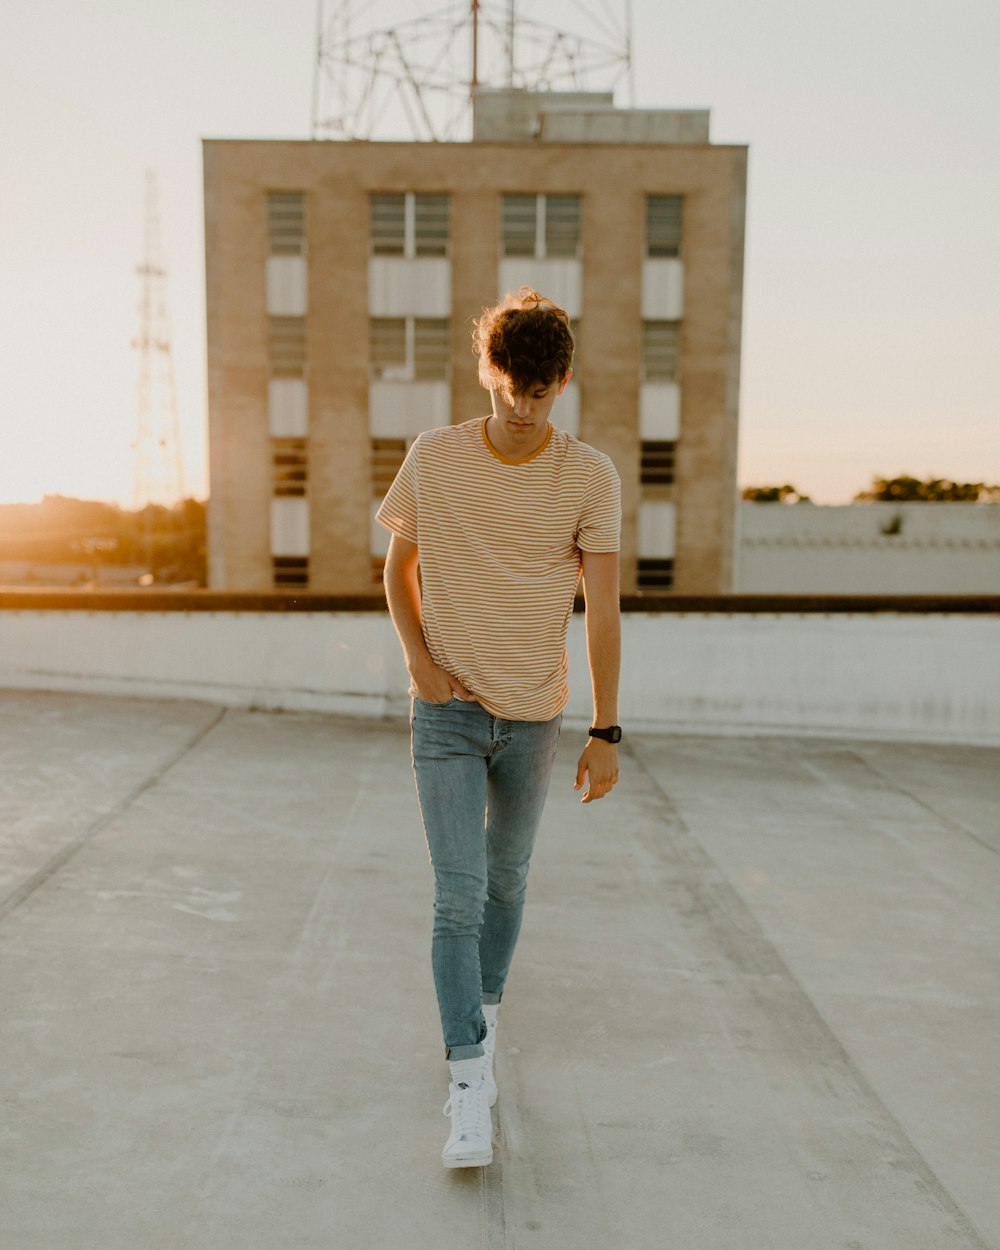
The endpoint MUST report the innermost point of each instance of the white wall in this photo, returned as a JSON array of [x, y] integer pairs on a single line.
[[659, 411], [937, 548], [287, 286], [561, 279], [874, 675], [418, 286], [662, 288], [405, 409]]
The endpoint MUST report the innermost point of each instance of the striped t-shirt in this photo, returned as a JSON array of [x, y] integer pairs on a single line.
[[499, 545]]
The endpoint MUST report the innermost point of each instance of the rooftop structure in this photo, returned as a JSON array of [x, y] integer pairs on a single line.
[[388, 70], [869, 549]]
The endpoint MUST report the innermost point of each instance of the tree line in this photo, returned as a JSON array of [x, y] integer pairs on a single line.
[[890, 490], [169, 543]]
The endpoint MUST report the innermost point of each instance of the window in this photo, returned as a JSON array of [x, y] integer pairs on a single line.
[[657, 463], [387, 456], [290, 466], [660, 350], [430, 225], [519, 224], [663, 225], [540, 225], [388, 348], [286, 341], [409, 225], [286, 223], [430, 348], [290, 571], [410, 349], [388, 225], [655, 574], [562, 224]]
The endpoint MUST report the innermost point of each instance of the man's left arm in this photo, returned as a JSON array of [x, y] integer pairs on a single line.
[[599, 761]]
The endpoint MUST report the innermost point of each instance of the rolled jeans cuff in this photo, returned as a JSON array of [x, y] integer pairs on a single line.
[[454, 1053]]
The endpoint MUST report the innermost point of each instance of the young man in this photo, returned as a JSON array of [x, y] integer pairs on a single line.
[[500, 515]]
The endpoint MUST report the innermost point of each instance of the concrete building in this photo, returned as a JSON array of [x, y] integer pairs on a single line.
[[342, 280], [869, 549]]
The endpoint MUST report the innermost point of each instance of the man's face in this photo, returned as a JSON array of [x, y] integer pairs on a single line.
[[524, 415]]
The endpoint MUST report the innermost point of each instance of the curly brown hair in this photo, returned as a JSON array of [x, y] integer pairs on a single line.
[[523, 340]]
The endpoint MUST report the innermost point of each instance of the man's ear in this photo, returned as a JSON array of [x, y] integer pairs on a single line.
[[562, 387]]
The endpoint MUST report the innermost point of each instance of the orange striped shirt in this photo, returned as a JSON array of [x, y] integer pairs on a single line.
[[499, 546]]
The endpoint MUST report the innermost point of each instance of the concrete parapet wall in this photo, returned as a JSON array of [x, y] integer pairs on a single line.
[[927, 676]]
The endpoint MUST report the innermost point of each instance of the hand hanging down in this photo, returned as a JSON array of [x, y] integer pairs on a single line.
[[599, 765]]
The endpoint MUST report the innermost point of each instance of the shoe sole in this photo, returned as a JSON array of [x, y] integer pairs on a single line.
[[469, 1161]]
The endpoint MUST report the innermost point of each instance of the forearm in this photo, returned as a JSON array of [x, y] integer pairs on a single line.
[[598, 763], [402, 594], [604, 655], [604, 632]]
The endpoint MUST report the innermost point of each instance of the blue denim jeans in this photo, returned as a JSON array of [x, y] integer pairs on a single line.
[[481, 783]]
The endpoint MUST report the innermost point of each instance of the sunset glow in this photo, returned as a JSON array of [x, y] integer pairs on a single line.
[[870, 318]]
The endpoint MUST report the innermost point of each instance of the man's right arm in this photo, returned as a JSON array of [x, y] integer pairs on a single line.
[[402, 593]]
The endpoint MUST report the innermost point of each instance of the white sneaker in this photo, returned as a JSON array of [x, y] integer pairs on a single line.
[[471, 1142], [489, 1049]]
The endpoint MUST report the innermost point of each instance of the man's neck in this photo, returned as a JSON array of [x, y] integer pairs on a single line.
[[514, 449]]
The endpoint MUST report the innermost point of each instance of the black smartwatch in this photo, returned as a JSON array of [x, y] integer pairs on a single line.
[[611, 734]]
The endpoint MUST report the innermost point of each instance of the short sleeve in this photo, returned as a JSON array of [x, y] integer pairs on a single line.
[[601, 516], [398, 510]]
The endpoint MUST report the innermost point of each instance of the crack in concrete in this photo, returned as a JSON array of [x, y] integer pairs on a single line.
[[949, 822], [733, 922], [38, 878], [494, 1217]]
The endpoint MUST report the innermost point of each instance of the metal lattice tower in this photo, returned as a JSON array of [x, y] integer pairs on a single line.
[[159, 475], [383, 72]]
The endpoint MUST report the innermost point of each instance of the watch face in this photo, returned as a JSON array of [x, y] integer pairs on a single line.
[[616, 734]]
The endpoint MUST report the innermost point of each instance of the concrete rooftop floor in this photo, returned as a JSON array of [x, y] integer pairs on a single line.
[[755, 1004]]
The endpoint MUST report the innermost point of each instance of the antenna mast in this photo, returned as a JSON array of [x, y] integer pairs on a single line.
[[511, 25], [384, 72], [159, 474], [475, 45]]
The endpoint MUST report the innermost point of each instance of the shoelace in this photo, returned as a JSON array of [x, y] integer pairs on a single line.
[[471, 1111]]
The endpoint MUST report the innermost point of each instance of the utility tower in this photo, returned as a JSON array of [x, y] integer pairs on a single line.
[[159, 476], [382, 71]]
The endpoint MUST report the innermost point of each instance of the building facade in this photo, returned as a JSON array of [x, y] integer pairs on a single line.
[[868, 549], [342, 282]]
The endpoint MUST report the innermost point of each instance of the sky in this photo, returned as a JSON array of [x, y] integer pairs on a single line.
[[872, 283]]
